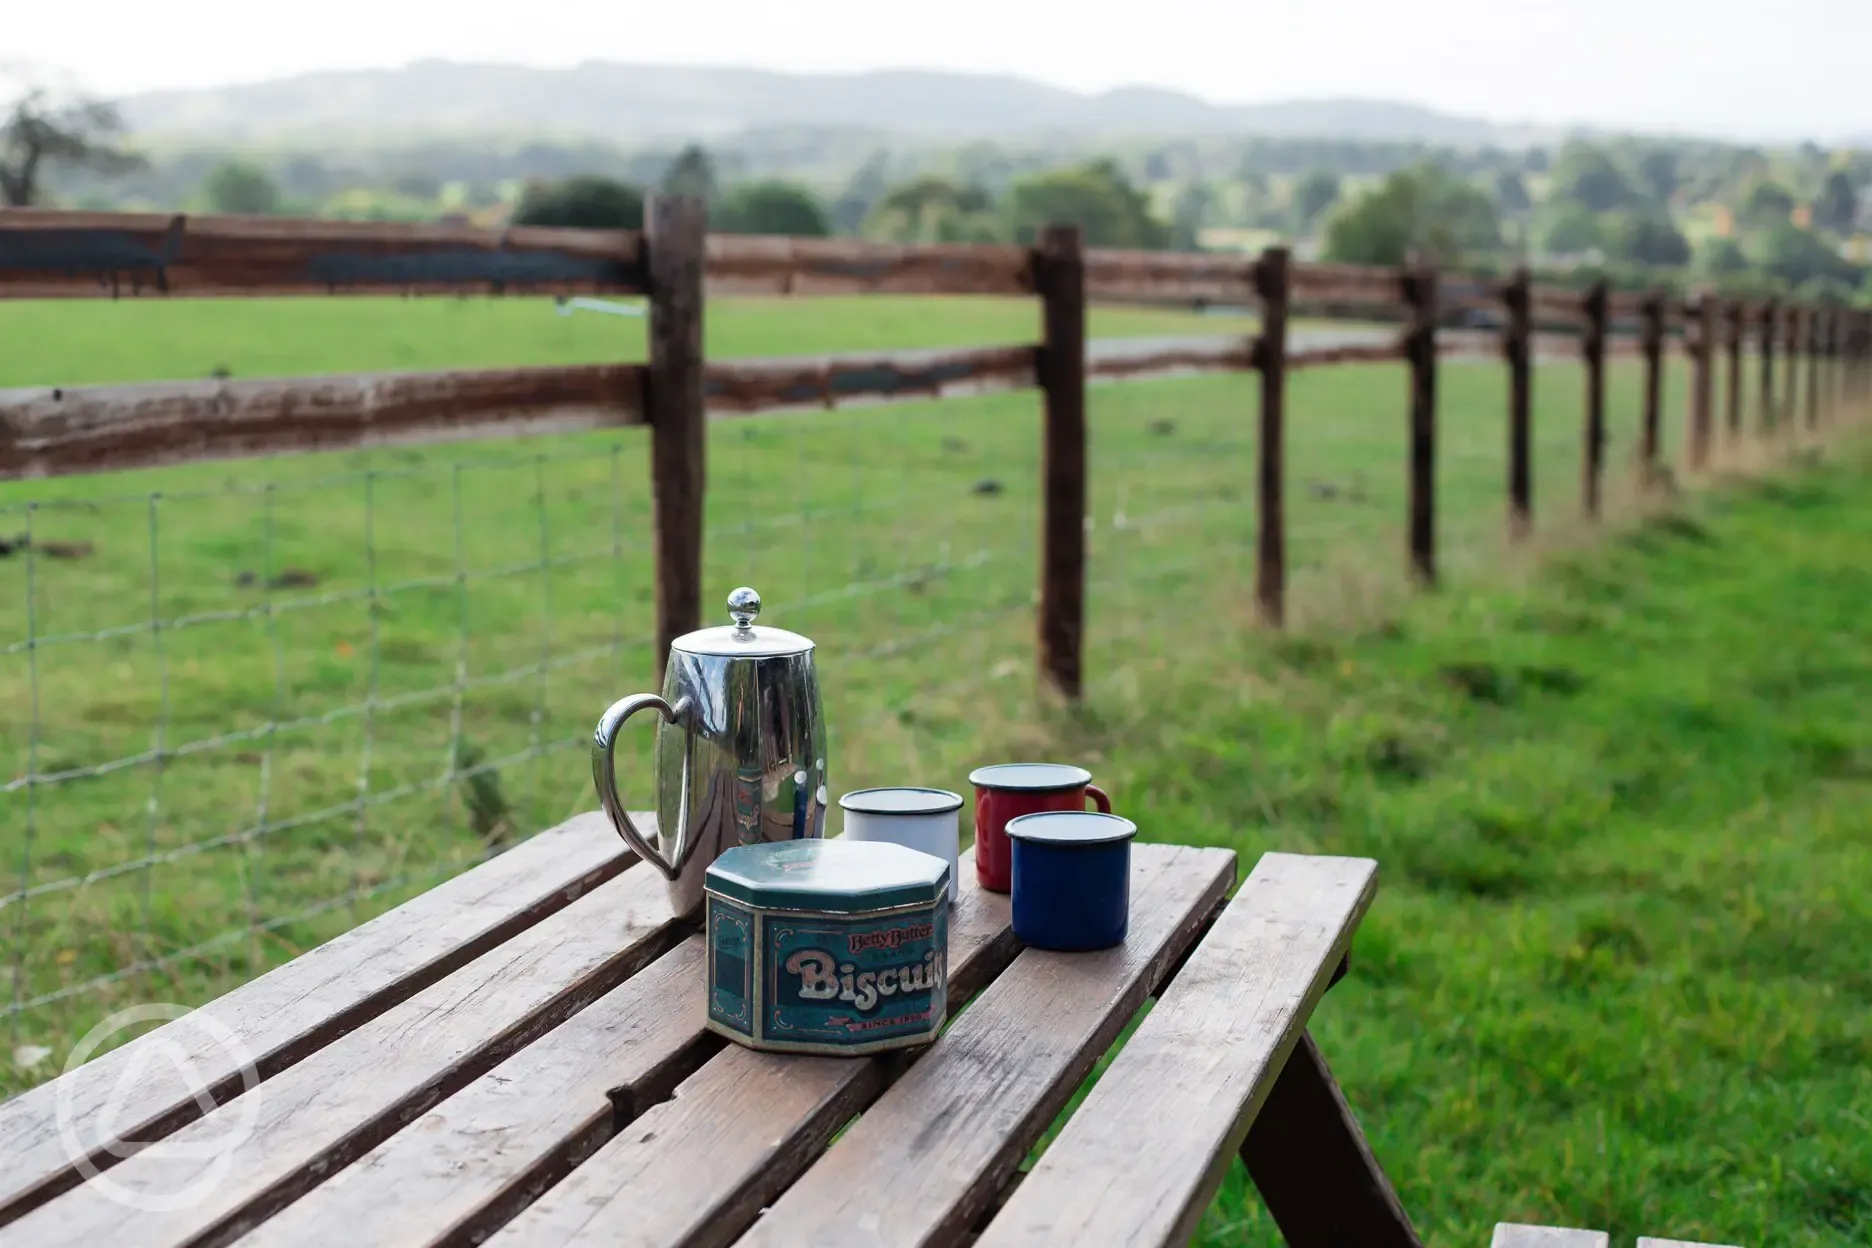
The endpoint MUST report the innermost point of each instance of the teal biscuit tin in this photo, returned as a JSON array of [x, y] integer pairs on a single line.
[[827, 946]]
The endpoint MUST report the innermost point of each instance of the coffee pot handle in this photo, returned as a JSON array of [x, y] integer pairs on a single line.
[[604, 777]]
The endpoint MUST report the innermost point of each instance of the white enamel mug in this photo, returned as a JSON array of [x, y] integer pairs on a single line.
[[926, 820]]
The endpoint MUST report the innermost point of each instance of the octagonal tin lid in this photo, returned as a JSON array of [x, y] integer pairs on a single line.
[[743, 638], [837, 876]]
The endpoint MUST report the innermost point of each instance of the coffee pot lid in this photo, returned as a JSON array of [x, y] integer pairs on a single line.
[[742, 639]]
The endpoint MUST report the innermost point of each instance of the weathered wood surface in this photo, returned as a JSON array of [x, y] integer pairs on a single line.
[[294, 1010], [1516, 1235], [1349, 353], [1191, 277], [1735, 328], [746, 386], [1309, 1160], [673, 399], [1126, 359], [1518, 347], [930, 1156], [743, 264], [1274, 281], [1420, 293], [1651, 347], [1770, 405], [1331, 282], [1060, 368], [56, 431], [469, 1164], [1701, 346], [1142, 1156], [697, 1168], [332, 1106], [1593, 348], [48, 254]]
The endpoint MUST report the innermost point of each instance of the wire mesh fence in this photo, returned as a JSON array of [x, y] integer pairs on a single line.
[[242, 710]]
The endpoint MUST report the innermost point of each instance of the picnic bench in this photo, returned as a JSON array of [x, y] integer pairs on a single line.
[[518, 1057]]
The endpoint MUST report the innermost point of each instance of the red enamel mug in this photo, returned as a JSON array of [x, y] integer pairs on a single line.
[[1009, 790]]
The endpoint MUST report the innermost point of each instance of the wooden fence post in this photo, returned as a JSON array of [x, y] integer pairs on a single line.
[[1420, 294], [1814, 352], [1059, 272], [1651, 344], [1835, 328], [1518, 344], [1851, 343], [1700, 345], [1770, 315], [1593, 344], [1793, 331], [1735, 330], [1273, 277], [676, 232]]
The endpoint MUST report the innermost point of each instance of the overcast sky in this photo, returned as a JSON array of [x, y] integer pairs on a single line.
[[1742, 68]]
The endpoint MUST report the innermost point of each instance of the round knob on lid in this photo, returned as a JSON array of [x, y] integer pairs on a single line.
[[743, 607]]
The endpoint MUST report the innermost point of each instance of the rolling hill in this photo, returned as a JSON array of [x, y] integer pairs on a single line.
[[635, 102]]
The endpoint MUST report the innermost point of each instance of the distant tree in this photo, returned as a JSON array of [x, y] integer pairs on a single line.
[[1536, 160], [1837, 206], [586, 201], [1648, 238], [692, 173], [1657, 170], [1795, 255], [1511, 195], [1189, 212], [1572, 230], [1720, 257], [867, 186], [1421, 210], [1767, 204], [772, 207], [931, 209], [1313, 195], [1590, 178], [1096, 197], [239, 187], [40, 132]]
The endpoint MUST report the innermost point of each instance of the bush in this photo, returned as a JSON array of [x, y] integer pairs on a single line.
[[1098, 198], [772, 208], [1421, 210], [586, 202], [238, 187], [1648, 238]]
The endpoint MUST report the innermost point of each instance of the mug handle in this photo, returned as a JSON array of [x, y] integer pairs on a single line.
[[1099, 799], [604, 776]]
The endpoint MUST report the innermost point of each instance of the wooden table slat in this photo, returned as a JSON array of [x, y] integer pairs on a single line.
[[929, 1157], [1516, 1235], [466, 1167], [144, 1092], [334, 1105], [703, 1163], [1143, 1155]]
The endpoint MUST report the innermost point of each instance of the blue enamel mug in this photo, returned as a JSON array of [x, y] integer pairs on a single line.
[[1072, 879]]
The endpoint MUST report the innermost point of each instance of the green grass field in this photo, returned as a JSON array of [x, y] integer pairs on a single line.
[[433, 631]]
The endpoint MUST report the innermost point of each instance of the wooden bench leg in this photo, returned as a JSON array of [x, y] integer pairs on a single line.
[[1309, 1159]]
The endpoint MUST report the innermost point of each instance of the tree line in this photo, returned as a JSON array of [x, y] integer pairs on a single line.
[[1636, 211]]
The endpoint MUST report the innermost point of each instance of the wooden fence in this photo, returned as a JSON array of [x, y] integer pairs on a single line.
[[676, 263]]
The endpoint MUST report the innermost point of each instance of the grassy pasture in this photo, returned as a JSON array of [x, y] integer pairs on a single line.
[[411, 613]]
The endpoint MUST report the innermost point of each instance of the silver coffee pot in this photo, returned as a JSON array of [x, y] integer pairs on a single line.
[[740, 751]]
